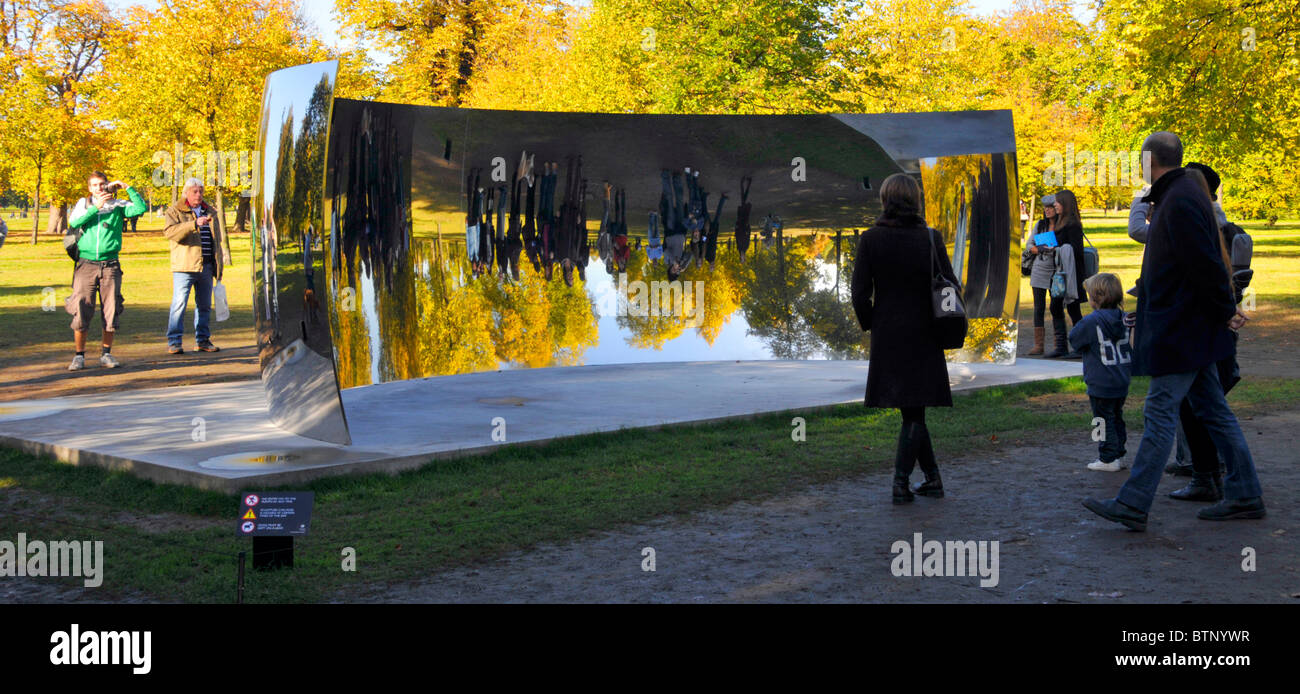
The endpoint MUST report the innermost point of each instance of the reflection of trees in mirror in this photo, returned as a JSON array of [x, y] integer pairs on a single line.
[[282, 204], [987, 340], [437, 318], [784, 307], [308, 153], [969, 199], [462, 323]]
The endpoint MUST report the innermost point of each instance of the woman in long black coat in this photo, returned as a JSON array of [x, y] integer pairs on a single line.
[[891, 296]]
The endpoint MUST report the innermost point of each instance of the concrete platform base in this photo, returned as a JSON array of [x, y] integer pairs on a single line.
[[218, 436]]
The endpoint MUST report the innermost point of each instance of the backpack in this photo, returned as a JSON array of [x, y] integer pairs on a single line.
[[1091, 259], [73, 236], [1241, 248]]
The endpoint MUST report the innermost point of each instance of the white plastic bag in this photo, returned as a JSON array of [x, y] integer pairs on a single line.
[[219, 304]]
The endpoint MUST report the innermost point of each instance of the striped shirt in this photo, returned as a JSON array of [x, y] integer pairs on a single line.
[[205, 234]]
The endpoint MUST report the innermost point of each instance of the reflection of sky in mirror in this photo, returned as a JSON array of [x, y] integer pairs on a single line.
[[371, 312], [733, 341], [286, 89], [614, 346]]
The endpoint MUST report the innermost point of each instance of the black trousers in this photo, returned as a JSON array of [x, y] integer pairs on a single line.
[[1111, 412], [1040, 305], [1059, 307], [1205, 457]]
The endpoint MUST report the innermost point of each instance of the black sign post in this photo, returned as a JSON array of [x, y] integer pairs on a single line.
[[273, 519]]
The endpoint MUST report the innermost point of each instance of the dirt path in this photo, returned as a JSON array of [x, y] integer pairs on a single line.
[[144, 365], [831, 543]]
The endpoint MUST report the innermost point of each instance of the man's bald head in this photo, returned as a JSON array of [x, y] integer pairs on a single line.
[[1165, 148]]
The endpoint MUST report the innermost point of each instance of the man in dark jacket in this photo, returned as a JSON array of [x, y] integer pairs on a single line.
[[1185, 312]]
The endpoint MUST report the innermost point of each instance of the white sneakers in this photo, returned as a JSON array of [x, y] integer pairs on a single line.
[[105, 360], [1113, 466]]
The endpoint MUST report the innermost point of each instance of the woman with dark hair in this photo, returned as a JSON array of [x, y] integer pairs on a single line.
[[1069, 232], [891, 292], [1040, 273]]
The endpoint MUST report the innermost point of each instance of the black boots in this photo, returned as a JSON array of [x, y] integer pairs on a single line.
[[1203, 487], [1113, 510], [914, 447], [1232, 509], [932, 486], [902, 495], [1062, 346], [904, 460]]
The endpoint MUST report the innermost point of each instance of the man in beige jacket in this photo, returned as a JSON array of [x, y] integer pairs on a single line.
[[194, 230]]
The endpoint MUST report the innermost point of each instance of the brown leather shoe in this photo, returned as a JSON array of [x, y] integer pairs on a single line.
[[208, 347]]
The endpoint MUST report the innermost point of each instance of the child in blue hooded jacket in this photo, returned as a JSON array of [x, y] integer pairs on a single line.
[[1107, 358]]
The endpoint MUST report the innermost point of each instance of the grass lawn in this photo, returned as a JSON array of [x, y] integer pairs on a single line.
[[35, 281]]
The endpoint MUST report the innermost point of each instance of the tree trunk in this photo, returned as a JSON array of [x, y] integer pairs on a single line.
[[36, 207], [225, 235], [241, 214], [58, 223]]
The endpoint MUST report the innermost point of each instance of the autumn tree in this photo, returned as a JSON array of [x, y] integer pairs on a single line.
[[436, 44], [676, 56], [203, 89], [52, 53], [1220, 73]]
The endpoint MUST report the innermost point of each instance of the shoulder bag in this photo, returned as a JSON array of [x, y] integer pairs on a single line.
[[945, 298]]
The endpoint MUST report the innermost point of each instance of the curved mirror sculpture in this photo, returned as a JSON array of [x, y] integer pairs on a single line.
[[292, 313], [415, 241]]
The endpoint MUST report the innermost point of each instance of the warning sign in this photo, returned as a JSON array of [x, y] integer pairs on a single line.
[[276, 514]]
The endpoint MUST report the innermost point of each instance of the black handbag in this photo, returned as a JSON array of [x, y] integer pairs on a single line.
[[945, 298], [1027, 263]]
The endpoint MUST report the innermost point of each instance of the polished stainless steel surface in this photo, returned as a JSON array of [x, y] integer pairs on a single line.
[[460, 240], [970, 199], [292, 312]]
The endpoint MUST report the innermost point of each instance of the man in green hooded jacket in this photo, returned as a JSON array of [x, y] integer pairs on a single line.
[[99, 220]]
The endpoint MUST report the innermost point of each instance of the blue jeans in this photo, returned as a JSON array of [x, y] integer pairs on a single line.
[[202, 284], [1203, 391]]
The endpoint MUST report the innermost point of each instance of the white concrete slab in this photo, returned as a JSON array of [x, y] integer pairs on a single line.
[[218, 436]]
